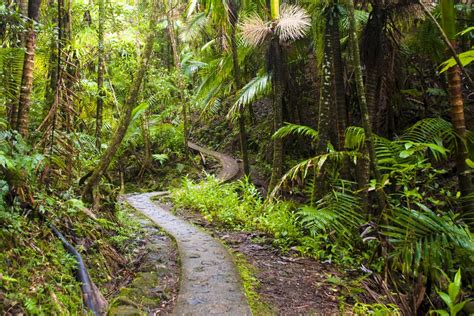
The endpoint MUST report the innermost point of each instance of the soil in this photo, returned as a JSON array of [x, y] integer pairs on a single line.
[[152, 287], [288, 284]]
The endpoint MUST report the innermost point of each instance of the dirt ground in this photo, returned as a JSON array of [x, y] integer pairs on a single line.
[[289, 285]]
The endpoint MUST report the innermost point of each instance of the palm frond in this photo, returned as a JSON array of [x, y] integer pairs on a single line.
[[424, 239], [431, 130], [293, 23], [295, 129], [315, 164], [256, 88], [254, 30], [193, 26]]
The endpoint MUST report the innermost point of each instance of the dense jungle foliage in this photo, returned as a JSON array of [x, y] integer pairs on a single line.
[[351, 121]]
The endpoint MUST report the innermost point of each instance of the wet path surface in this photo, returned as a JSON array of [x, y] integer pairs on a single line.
[[210, 283]]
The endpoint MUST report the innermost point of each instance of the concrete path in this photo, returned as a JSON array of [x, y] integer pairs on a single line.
[[230, 167], [210, 283]]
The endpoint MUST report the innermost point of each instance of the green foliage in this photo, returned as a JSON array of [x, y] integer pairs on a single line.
[[295, 129], [423, 239], [452, 298], [375, 309], [339, 210]]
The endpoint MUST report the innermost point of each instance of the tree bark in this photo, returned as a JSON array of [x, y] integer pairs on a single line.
[[278, 89], [369, 142], [22, 122], [233, 18], [177, 64], [325, 103], [130, 103], [100, 77], [456, 101], [339, 88]]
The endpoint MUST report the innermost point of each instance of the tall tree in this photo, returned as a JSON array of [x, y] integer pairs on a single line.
[[100, 76], [287, 24], [22, 120], [233, 17], [369, 140], [130, 103], [456, 100]]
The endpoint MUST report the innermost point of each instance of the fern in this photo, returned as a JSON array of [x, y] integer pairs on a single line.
[[295, 129], [338, 210], [11, 68]]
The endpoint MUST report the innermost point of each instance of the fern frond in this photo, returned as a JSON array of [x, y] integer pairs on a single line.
[[295, 129], [339, 210]]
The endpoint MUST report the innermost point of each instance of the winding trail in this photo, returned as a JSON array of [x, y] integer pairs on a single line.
[[210, 283], [230, 167]]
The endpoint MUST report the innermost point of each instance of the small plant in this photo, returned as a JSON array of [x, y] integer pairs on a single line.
[[452, 298], [375, 309]]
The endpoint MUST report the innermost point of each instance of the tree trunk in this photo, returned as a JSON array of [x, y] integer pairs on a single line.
[[130, 103], [369, 142], [278, 89], [325, 102], [22, 122], [233, 18], [100, 77], [177, 64], [339, 88], [456, 101]]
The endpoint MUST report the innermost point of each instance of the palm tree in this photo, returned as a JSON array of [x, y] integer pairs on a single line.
[[22, 117], [456, 100], [287, 23], [369, 140]]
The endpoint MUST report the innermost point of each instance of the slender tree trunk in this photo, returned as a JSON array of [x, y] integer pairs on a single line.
[[233, 17], [100, 77], [177, 64], [23, 119], [456, 101], [339, 88], [325, 102], [130, 103], [369, 142], [278, 89]]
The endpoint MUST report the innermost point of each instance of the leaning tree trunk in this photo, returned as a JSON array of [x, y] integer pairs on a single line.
[[456, 100], [100, 77], [369, 141], [130, 103], [233, 18], [22, 121]]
